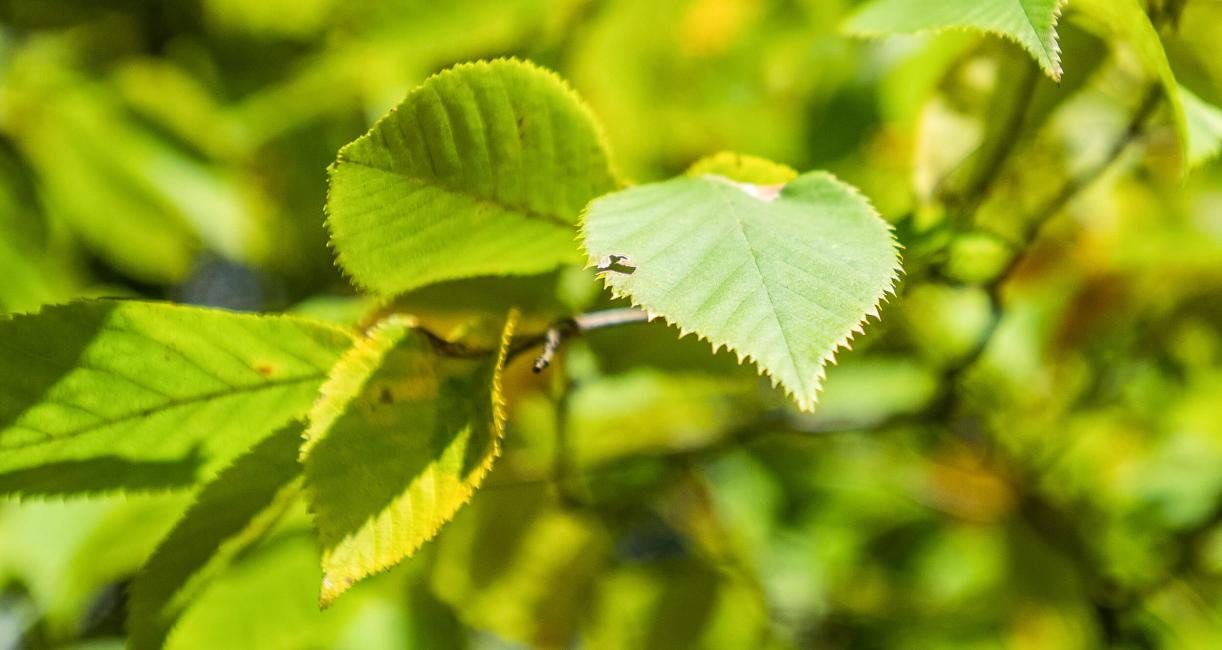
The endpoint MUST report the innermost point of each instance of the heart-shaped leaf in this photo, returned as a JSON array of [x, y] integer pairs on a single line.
[[781, 274]]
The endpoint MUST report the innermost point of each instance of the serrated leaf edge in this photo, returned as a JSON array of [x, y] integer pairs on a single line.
[[804, 403], [567, 88], [1054, 69], [326, 410], [264, 520], [64, 497]]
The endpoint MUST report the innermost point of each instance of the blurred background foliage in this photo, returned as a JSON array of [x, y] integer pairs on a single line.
[[1024, 453]]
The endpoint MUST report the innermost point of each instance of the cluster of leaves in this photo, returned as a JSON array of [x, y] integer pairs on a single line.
[[467, 214], [482, 170]]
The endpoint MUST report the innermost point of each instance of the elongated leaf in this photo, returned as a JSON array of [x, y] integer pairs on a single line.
[[1127, 20], [141, 203], [781, 275], [1030, 23], [107, 395], [230, 514], [402, 436], [1204, 128], [32, 273], [482, 170]]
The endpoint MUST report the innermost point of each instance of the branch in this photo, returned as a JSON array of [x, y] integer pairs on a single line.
[[1035, 225], [995, 154], [557, 334]]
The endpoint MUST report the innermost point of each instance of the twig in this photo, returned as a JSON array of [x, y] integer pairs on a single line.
[[551, 344], [950, 375], [557, 334], [1035, 226], [1110, 601], [999, 150]]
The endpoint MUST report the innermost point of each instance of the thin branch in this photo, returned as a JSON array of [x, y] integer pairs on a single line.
[[996, 155], [557, 334], [1035, 226], [946, 400], [609, 318]]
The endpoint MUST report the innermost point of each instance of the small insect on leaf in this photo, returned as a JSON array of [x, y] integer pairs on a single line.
[[616, 263]]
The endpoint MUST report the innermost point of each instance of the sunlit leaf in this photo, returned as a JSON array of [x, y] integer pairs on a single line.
[[107, 395], [1204, 128], [229, 515], [1030, 23], [482, 170], [782, 275], [743, 168], [403, 435], [1127, 20]]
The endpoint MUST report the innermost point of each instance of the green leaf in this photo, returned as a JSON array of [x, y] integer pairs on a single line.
[[63, 551], [651, 412], [33, 274], [1204, 128], [266, 601], [1127, 20], [143, 204], [783, 275], [1030, 23], [521, 565], [676, 602], [402, 437], [482, 170], [106, 395], [743, 168], [230, 514]]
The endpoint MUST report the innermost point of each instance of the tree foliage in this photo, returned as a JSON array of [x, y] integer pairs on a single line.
[[445, 391]]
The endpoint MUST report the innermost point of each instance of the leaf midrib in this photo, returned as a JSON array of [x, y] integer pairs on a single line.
[[1034, 30], [166, 406], [789, 352]]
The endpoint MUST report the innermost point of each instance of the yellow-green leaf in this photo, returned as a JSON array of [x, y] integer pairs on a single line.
[[230, 514], [107, 395], [404, 432], [482, 170], [1127, 20], [743, 168], [1204, 128]]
